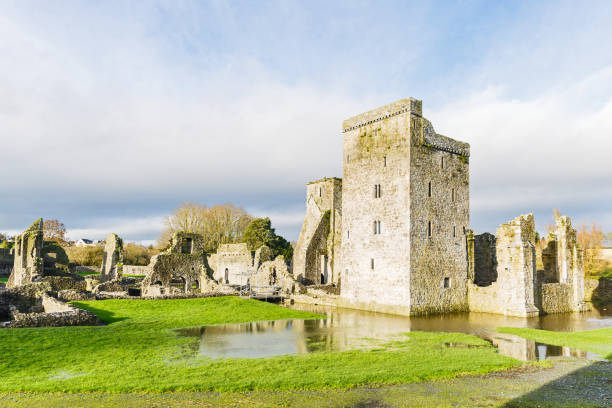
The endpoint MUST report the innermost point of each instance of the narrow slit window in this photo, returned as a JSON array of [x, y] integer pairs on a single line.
[[429, 189], [447, 282], [385, 161], [320, 191], [454, 231], [372, 263], [453, 195], [377, 191], [348, 158], [429, 229], [442, 163], [376, 227]]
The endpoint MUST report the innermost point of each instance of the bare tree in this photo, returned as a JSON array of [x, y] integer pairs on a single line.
[[590, 238], [54, 230], [221, 224]]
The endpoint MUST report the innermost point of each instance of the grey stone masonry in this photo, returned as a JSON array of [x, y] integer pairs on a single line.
[[316, 259], [112, 261], [28, 262], [405, 210]]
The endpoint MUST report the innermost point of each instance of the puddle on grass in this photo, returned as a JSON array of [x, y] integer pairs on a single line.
[[346, 329]]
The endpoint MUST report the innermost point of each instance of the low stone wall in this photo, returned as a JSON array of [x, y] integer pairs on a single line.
[[71, 295], [56, 313], [82, 269], [135, 270], [65, 282], [556, 298], [598, 290], [493, 299]]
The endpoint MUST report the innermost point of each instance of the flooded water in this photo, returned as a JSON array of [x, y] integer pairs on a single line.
[[346, 329]]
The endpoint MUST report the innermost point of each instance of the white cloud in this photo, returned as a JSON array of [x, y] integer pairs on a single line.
[[551, 151]]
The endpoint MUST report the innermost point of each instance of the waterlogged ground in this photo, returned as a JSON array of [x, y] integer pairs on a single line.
[[346, 329], [144, 359]]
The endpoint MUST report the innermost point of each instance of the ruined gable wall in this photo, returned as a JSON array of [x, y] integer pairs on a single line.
[[237, 259], [439, 197], [165, 267], [513, 293], [112, 261], [563, 264], [376, 150], [321, 233], [28, 262]]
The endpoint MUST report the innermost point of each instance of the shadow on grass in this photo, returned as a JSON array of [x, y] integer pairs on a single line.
[[590, 386], [105, 315]]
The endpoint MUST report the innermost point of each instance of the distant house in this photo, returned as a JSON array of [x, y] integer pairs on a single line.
[[84, 242]]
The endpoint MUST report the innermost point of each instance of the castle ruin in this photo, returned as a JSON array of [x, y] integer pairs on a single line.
[[394, 233]]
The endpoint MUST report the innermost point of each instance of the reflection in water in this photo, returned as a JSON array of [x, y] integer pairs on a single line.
[[346, 329]]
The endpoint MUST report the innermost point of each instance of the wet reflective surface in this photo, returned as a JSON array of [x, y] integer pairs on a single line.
[[346, 329]]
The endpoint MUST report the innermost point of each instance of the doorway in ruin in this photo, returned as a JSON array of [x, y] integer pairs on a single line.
[[186, 245], [179, 283], [324, 272]]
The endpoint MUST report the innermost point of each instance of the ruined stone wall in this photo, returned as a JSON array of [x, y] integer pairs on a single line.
[[556, 298], [563, 265], [233, 264], [6, 262], [112, 261], [273, 277], [439, 219], [318, 248], [136, 270], [599, 290], [172, 272], [28, 262], [485, 259], [513, 293]]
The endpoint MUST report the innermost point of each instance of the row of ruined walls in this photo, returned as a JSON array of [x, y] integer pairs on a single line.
[[503, 276]]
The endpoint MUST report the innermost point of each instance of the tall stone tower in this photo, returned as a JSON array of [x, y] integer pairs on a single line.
[[405, 211]]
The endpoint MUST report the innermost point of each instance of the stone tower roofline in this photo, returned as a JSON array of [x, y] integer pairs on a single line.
[[428, 136], [325, 179], [411, 105]]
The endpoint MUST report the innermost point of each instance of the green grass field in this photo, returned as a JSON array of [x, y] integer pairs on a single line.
[[598, 341], [3, 280], [139, 351]]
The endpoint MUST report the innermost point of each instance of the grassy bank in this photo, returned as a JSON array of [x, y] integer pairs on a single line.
[[598, 341], [139, 351], [3, 280]]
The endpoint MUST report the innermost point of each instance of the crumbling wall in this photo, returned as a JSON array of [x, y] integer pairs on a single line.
[[233, 264], [31, 305], [598, 290], [273, 277], [112, 261], [6, 261], [485, 259], [317, 257], [28, 263], [556, 298], [513, 293], [563, 276], [181, 269]]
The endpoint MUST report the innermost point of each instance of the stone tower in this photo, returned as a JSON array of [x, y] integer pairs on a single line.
[[405, 211], [316, 259]]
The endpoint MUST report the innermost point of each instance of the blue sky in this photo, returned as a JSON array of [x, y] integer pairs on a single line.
[[113, 113]]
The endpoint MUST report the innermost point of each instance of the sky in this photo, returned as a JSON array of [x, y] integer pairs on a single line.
[[114, 113]]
